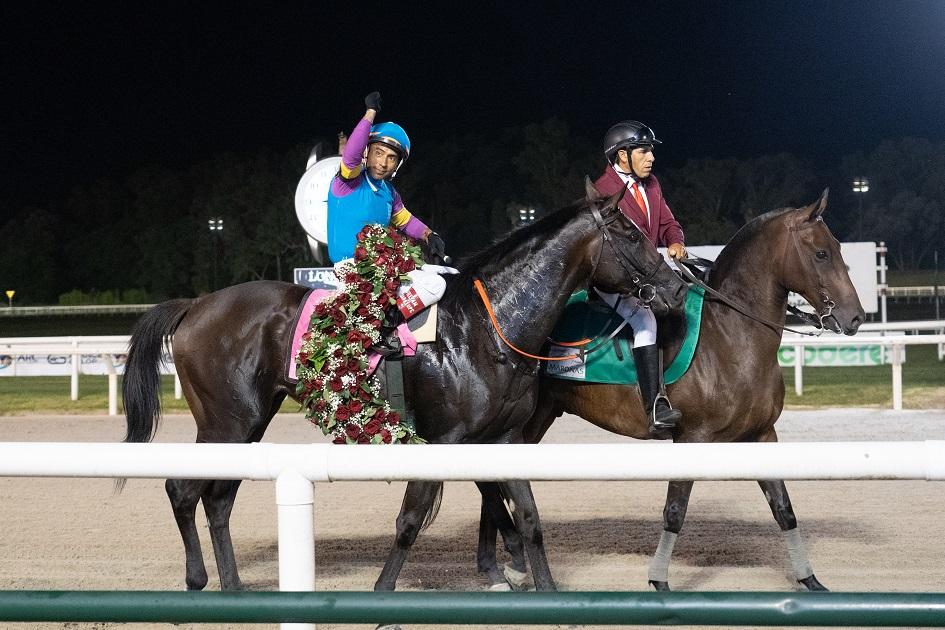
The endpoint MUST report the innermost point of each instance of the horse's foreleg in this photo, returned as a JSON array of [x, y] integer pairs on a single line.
[[776, 495], [218, 501], [493, 517], [529, 526], [674, 515], [418, 501], [184, 495]]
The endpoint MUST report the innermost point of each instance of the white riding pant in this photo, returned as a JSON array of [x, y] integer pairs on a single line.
[[426, 287], [640, 318]]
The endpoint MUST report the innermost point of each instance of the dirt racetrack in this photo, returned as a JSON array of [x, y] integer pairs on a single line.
[[862, 536]]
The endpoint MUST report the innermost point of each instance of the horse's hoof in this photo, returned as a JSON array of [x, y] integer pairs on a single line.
[[501, 587], [659, 585], [518, 579], [813, 584]]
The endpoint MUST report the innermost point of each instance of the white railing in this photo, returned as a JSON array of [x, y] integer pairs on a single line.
[[294, 468], [894, 343], [105, 346], [118, 344]]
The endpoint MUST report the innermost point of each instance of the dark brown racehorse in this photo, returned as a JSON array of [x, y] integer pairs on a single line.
[[230, 352], [734, 390]]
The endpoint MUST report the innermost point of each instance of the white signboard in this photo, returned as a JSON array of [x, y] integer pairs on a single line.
[[316, 277], [61, 364], [861, 263], [834, 356]]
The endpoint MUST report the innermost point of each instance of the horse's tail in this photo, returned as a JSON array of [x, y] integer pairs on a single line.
[[434, 507], [141, 386]]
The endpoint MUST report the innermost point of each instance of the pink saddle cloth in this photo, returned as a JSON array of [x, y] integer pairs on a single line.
[[303, 319]]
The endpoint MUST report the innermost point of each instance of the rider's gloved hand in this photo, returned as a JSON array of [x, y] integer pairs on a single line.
[[677, 251], [373, 101], [437, 245]]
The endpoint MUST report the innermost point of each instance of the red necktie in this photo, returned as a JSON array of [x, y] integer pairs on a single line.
[[640, 202]]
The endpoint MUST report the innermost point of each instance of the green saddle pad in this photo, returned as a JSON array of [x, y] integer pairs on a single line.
[[583, 319]]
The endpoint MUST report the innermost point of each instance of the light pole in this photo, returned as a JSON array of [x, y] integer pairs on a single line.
[[216, 232], [861, 186]]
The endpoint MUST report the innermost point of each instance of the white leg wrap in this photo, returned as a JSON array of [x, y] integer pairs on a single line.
[[659, 565], [798, 554]]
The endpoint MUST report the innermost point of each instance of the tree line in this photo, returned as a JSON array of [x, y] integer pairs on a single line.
[[145, 237]]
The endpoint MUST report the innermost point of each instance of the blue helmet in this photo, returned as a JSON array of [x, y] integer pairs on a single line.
[[392, 135]]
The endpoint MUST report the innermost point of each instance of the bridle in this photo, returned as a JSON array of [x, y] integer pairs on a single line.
[[642, 280], [814, 319]]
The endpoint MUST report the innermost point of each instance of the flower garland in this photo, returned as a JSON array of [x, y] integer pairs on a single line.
[[334, 387]]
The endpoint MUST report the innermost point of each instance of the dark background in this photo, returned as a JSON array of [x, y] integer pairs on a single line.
[[126, 126]]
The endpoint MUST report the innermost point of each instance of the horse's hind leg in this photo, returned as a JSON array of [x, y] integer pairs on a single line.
[[218, 499], [184, 495], [494, 517], [674, 515], [419, 500], [780, 503], [529, 526]]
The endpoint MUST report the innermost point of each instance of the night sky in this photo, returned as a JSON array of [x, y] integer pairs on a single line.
[[95, 91]]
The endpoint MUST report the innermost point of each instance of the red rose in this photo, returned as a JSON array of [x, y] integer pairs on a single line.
[[336, 385], [365, 232], [372, 427], [360, 253], [364, 439], [342, 298], [342, 413], [381, 260], [366, 342], [362, 310], [375, 323], [320, 310], [338, 353], [339, 439], [355, 406], [364, 300], [353, 431], [354, 337], [353, 364], [393, 418], [338, 318], [386, 436], [396, 237], [407, 266], [365, 395], [303, 357], [391, 285], [320, 405]]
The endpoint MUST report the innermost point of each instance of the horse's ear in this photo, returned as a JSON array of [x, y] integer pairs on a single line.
[[818, 207], [590, 190], [615, 198]]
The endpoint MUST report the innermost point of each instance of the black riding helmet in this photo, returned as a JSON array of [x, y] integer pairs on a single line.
[[627, 134]]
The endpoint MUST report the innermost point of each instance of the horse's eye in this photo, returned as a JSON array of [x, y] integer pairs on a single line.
[[821, 254]]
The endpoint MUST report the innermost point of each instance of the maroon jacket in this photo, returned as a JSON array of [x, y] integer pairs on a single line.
[[663, 229]]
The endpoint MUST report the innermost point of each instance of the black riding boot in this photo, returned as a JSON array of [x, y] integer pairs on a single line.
[[663, 418]]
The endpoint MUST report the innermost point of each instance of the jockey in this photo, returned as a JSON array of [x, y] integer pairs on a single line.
[[361, 194], [628, 147]]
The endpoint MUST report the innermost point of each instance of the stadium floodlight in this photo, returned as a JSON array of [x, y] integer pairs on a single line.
[[861, 185], [215, 224], [526, 215]]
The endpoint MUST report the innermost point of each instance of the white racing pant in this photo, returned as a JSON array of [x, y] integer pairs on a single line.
[[640, 318], [425, 287]]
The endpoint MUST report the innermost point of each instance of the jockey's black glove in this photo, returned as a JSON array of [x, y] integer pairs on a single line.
[[373, 101], [437, 245]]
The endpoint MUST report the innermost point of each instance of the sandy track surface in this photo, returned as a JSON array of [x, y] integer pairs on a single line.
[[862, 536]]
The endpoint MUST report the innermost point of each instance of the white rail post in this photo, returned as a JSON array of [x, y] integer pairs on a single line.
[[178, 392], [295, 498], [112, 385], [897, 349], [799, 370], [76, 359]]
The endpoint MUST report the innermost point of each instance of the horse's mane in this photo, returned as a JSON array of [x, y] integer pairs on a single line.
[[490, 259], [746, 235]]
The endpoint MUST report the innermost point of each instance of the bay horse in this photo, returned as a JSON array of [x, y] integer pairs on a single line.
[[734, 389], [230, 350]]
